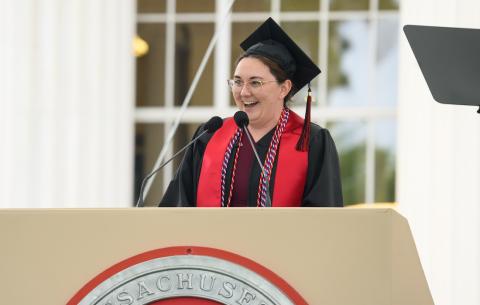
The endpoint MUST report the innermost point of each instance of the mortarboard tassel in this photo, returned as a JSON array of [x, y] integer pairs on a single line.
[[304, 141]]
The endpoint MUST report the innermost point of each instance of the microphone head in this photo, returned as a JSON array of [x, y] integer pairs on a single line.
[[213, 124], [241, 118]]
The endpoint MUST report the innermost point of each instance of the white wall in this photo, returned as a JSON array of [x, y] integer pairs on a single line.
[[66, 103], [439, 165]]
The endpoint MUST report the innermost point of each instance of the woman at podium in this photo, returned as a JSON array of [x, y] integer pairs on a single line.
[[299, 160]]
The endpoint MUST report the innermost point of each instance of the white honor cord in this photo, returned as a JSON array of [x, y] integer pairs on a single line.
[[187, 98]]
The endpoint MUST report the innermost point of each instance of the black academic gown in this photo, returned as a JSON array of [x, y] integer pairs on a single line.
[[322, 188]]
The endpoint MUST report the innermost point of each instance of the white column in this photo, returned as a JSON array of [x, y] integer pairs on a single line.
[[66, 106], [438, 180], [223, 51]]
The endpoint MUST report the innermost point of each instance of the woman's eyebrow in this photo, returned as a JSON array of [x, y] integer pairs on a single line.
[[251, 77]]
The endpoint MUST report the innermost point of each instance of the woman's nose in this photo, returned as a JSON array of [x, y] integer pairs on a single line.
[[245, 90]]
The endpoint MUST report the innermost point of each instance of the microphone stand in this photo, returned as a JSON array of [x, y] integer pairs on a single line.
[[268, 202], [140, 201]]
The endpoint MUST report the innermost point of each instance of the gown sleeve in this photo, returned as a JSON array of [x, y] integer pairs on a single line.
[[182, 190], [323, 187]]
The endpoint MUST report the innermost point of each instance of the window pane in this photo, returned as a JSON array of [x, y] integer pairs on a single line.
[[240, 31], [151, 6], [189, 6], [183, 135], [348, 63], [349, 5], [385, 155], [300, 5], [251, 6], [350, 139], [386, 64], [388, 4], [151, 67], [306, 35], [148, 144], [192, 40]]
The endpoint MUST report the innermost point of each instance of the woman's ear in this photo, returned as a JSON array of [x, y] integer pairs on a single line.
[[285, 88]]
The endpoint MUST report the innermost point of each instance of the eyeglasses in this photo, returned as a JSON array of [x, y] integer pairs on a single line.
[[254, 84]]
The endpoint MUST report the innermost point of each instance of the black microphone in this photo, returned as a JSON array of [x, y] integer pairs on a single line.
[[210, 127], [241, 119]]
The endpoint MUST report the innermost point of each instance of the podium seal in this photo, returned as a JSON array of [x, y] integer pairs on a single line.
[[187, 276]]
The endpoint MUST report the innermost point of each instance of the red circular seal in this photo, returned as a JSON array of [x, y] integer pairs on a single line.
[[185, 251]]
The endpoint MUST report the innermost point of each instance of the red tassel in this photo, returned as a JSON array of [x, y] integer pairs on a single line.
[[304, 141]]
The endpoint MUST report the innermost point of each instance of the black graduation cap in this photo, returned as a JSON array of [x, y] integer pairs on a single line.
[[271, 41], [449, 59]]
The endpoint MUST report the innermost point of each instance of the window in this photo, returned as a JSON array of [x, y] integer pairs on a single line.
[[353, 42]]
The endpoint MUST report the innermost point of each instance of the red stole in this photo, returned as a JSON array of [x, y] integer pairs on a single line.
[[291, 171]]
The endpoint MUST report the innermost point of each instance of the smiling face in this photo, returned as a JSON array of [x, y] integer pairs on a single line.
[[263, 104]]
